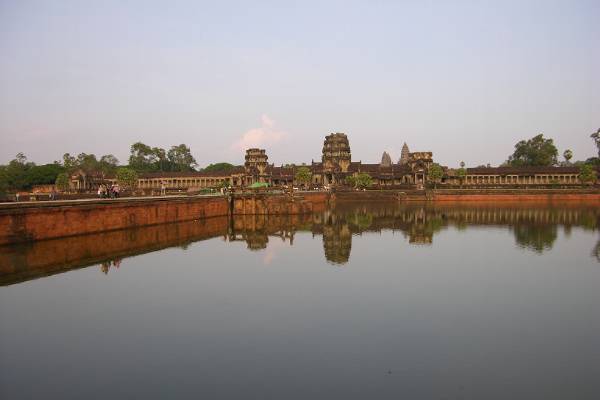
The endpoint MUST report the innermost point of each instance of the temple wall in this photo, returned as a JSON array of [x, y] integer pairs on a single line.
[[25, 222], [47, 257], [549, 196], [268, 204], [29, 222]]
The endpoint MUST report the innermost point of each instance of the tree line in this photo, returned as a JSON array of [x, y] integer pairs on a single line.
[[22, 174]]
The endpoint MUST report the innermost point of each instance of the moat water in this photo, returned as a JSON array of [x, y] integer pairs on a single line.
[[380, 301]]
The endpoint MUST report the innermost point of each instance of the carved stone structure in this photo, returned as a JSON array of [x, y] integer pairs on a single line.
[[256, 166], [404, 155], [336, 157], [336, 165], [386, 160]]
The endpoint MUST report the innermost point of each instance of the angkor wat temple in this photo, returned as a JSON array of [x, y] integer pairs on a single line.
[[411, 171]]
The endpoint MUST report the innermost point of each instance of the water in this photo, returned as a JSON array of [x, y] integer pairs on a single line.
[[363, 301]]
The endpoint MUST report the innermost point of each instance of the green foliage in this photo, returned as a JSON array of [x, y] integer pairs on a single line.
[[303, 175], [461, 173], [181, 159], [222, 166], [350, 180], [3, 180], [43, 174], [591, 161], [108, 165], [536, 237], [363, 180], [536, 151], [587, 174], [127, 177], [62, 182], [144, 158], [435, 173], [20, 174], [568, 154]]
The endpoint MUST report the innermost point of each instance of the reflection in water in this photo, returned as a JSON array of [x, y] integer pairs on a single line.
[[105, 266], [535, 228]]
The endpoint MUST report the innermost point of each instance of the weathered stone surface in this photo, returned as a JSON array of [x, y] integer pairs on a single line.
[[62, 219], [386, 160], [404, 155]]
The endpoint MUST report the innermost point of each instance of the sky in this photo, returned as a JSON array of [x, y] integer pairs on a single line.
[[463, 79]]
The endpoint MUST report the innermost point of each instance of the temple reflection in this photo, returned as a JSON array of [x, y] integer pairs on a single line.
[[534, 228]]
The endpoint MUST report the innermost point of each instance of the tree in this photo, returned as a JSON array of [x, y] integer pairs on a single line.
[[568, 154], [596, 137], [303, 175], [161, 162], [435, 174], [88, 168], [16, 173], [3, 180], [181, 158], [462, 164], [363, 180], [108, 165], [142, 157], [461, 173], [536, 151], [62, 182], [350, 181], [69, 162], [127, 177], [43, 174], [587, 174], [222, 166]]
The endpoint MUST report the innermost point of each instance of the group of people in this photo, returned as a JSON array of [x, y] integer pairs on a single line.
[[112, 192]]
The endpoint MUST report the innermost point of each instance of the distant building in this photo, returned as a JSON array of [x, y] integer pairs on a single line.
[[336, 165], [386, 160]]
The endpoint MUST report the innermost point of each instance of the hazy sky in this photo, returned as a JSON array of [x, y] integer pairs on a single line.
[[465, 80]]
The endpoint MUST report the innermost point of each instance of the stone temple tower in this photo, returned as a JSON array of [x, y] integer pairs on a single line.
[[404, 155], [256, 165], [336, 153], [386, 160]]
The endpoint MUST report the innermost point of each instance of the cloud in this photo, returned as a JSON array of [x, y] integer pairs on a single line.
[[265, 136]]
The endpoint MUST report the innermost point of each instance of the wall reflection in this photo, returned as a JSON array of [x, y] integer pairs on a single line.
[[534, 228]]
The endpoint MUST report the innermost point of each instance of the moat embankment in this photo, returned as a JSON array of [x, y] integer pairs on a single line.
[[26, 222], [474, 195]]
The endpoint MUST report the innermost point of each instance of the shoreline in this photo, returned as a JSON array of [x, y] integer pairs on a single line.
[[34, 221]]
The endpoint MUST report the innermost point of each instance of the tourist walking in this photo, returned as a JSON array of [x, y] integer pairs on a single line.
[[163, 188], [116, 190]]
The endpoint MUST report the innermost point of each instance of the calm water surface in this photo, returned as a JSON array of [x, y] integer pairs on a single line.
[[362, 301]]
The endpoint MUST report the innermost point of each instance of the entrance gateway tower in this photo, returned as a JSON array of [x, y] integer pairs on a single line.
[[336, 158]]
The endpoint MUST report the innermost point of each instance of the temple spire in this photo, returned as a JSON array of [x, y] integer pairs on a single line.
[[404, 154], [386, 160]]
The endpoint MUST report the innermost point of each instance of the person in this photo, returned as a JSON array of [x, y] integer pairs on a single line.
[[163, 188], [116, 190]]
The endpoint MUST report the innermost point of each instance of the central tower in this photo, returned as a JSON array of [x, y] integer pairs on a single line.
[[336, 153]]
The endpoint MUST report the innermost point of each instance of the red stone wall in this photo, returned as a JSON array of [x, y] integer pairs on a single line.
[[531, 197], [19, 224], [26, 261], [266, 204]]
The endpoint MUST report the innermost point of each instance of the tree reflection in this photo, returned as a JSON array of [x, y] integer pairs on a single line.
[[536, 237]]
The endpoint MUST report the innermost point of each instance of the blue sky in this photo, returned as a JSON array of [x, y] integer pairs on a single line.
[[465, 80]]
